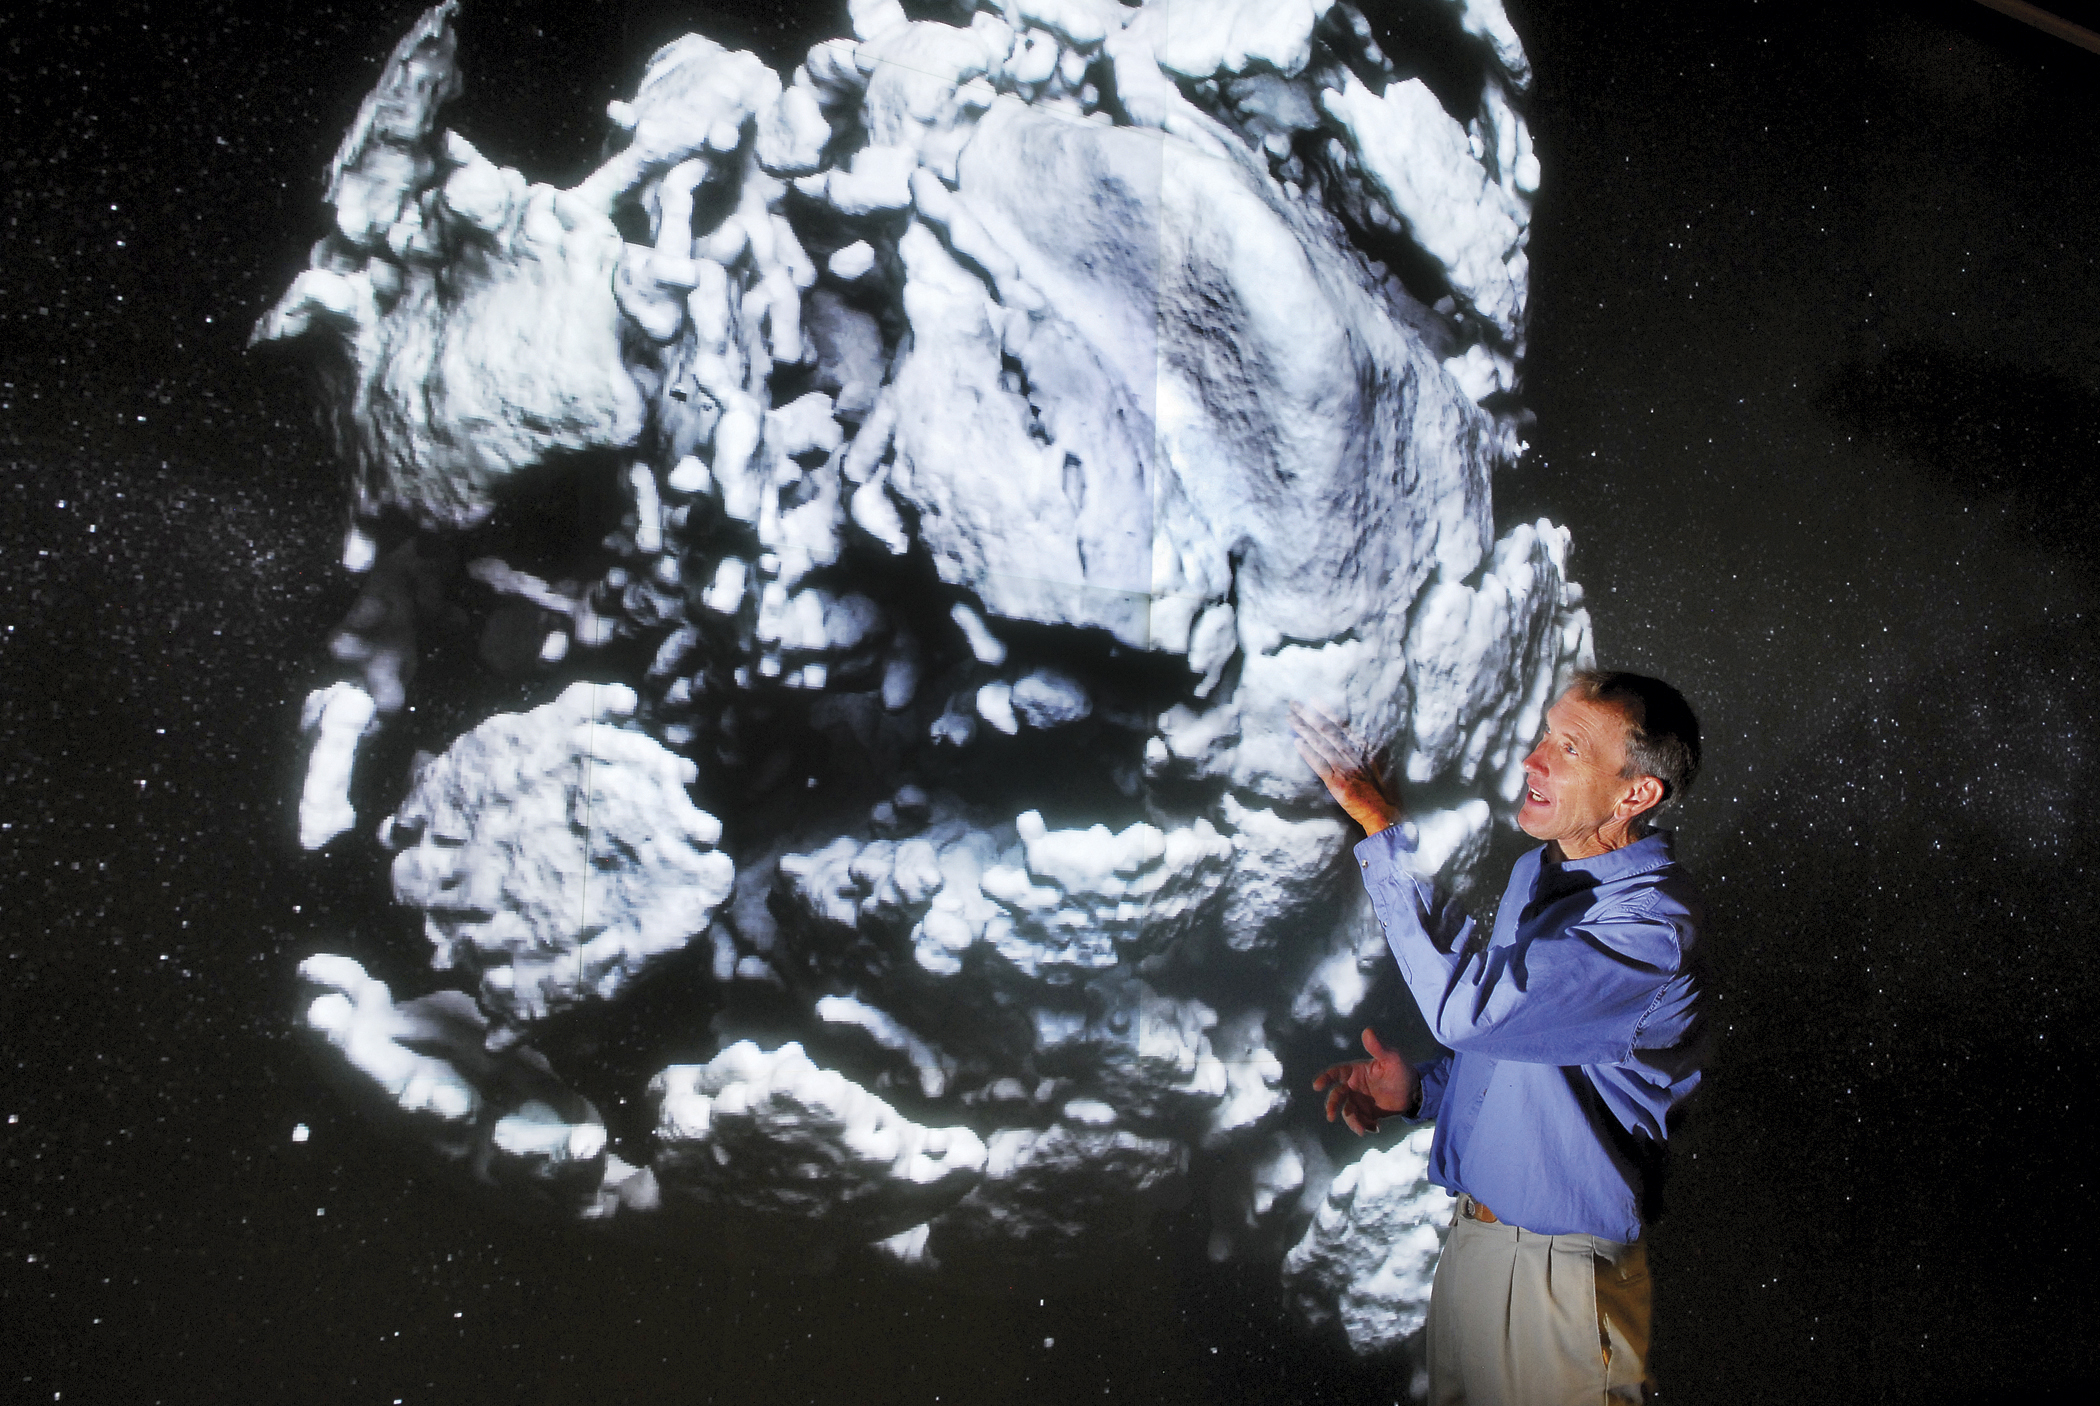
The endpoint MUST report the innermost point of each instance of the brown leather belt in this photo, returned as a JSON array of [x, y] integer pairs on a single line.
[[1473, 1210]]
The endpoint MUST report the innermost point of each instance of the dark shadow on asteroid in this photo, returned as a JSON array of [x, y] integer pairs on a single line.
[[1425, 40]]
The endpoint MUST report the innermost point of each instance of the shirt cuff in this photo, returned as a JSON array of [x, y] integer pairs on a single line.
[[1388, 845], [1433, 1075]]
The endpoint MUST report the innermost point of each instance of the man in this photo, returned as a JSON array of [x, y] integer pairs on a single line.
[[1572, 1033]]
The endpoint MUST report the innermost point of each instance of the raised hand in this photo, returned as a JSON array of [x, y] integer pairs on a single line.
[[1350, 775], [1364, 1091]]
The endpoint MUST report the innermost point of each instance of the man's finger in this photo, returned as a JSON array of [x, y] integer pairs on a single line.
[[1316, 728], [1345, 1102], [1319, 717], [1332, 769], [1334, 1074], [1317, 760], [1320, 744], [1338, 746], [1378, 1051], [1334, 736], [1336, 766]]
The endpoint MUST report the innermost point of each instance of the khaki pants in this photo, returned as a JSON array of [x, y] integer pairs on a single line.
[[1517, 1319]]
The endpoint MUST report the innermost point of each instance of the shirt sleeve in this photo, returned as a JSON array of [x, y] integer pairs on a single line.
[[1589, 993], [1404, 900]]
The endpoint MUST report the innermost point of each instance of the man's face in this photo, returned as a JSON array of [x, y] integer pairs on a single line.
[[1573, 782]]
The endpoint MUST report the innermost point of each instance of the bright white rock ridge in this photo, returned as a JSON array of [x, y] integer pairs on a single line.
[[913, 488]]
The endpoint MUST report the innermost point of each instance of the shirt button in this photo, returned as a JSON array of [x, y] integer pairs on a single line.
[[1363, 863]]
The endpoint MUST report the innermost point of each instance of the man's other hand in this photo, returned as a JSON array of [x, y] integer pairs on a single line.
[[1342, 766], [1363, 1091]]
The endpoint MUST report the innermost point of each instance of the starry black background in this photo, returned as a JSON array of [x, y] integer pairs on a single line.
[[1814, 346]]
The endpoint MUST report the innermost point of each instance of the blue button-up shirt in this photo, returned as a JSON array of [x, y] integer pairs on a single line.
[[1571, 1033]]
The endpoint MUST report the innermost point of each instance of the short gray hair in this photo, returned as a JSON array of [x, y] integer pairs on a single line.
[[1662, 732]]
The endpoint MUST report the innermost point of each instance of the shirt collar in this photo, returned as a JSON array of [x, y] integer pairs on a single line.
[[1654, 850]]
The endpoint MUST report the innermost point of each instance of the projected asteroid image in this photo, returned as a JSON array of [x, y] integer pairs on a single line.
[[921, 482]]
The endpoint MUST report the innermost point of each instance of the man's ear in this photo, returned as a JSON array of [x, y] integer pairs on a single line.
[[1641, 794]]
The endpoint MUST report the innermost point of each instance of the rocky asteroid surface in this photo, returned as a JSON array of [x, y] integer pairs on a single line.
[[910, 487]]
